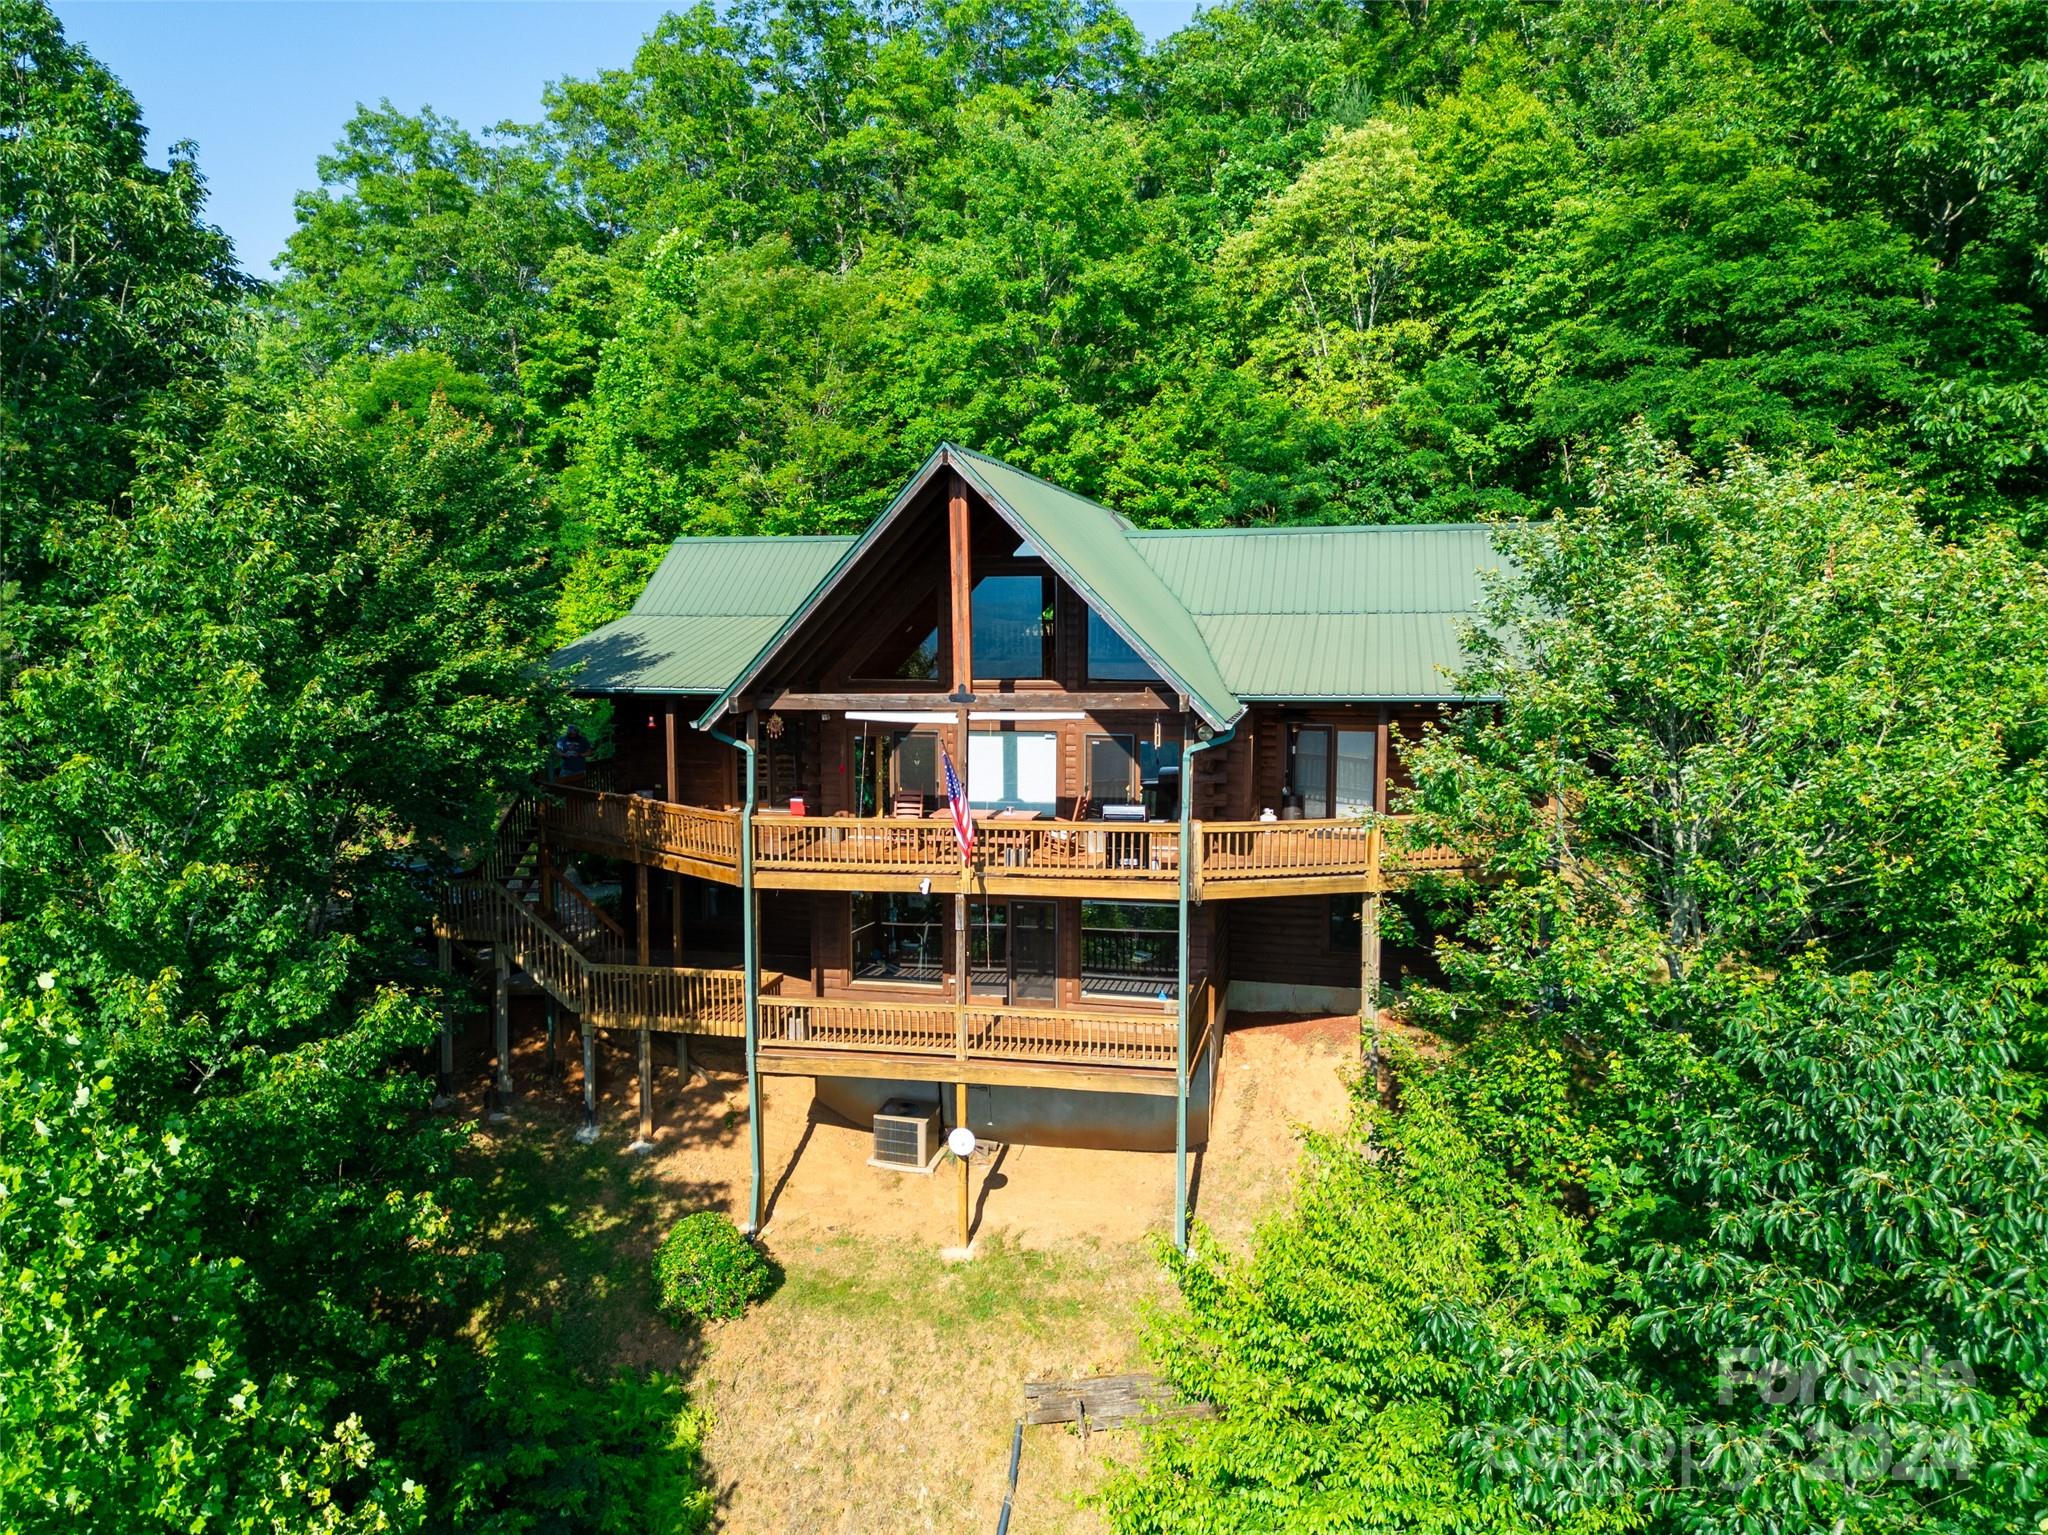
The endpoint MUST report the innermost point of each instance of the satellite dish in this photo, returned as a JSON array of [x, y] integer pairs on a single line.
[[961, 1142]]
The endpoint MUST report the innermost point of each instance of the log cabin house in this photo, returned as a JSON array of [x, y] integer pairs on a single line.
[[1179, 747]]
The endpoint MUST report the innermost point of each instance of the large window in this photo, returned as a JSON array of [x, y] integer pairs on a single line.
[[1334, 771], [1111, 657], [1013, 626], [1013, 770], [899, 937], [1127, 949], [1112, 770]]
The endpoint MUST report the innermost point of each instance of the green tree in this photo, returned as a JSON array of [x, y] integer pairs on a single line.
[[423, 236], [1833, 1294], [113, 292], [131, 1396], [1324, 274], [1337, 1411]]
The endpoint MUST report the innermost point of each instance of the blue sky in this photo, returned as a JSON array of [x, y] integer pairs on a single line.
[[263, 86]]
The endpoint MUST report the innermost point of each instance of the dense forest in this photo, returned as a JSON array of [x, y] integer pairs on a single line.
[[1724, 1204]]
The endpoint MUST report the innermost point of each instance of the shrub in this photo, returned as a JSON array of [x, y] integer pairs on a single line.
[[704, 1268]]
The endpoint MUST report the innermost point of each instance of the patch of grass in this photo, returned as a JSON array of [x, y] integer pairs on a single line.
[[860, 1280]]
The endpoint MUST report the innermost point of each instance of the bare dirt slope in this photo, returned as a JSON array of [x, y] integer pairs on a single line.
[[876, 1389]]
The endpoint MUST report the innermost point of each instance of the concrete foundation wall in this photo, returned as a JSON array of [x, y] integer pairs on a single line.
[[1037, 1116], [1282, 997]]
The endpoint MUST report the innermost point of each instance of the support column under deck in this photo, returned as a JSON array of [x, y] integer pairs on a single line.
[[589, 1131], [646, 1138]]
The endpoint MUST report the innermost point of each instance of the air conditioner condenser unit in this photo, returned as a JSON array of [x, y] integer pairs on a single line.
[[908, 1135]]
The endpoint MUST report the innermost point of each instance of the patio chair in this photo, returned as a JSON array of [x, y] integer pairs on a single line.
[[1070, 846]]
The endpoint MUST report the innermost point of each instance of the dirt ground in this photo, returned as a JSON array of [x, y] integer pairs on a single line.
[[877, 1388]]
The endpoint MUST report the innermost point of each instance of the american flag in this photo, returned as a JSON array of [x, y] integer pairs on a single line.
[[963, 813]]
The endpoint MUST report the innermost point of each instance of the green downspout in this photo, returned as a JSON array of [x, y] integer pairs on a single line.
[[750, 984], [1180, 1071]]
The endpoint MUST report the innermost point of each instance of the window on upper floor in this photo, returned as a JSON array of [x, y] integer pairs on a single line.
[[1332, 771]]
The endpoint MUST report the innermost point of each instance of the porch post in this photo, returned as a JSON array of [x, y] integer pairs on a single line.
[[961, 981], [669, 734], [589, 1131], [554, 1026], [640, 911]]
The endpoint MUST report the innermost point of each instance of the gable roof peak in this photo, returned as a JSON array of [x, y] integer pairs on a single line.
[[1087, 545]]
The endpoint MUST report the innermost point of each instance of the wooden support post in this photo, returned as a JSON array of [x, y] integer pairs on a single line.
[[960, 1118], [589, 1131], [960, 565], [547, 882], [646, 1140], [640, 904], [683, 1059], [960, 971], [549, 1067], [675, 916], [445, 1077], [503, 1038]]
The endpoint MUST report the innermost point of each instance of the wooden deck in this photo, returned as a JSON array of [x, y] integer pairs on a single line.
[[1106, 860]]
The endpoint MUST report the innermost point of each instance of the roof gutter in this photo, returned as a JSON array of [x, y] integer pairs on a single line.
[[750, 980]]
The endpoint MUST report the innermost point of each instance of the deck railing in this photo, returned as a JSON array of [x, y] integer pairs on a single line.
[[993, 1031], [1053, 850], [635, 824], [1233, 856], [1264, 850]]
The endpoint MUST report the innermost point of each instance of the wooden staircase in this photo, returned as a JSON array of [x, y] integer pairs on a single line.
[[574, 950]]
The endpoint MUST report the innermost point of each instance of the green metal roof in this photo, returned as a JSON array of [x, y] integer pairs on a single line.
[[708, 609], [1362, 612], [1223, 615]]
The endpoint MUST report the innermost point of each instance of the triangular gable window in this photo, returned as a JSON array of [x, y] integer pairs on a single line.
[[1111, 657]]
